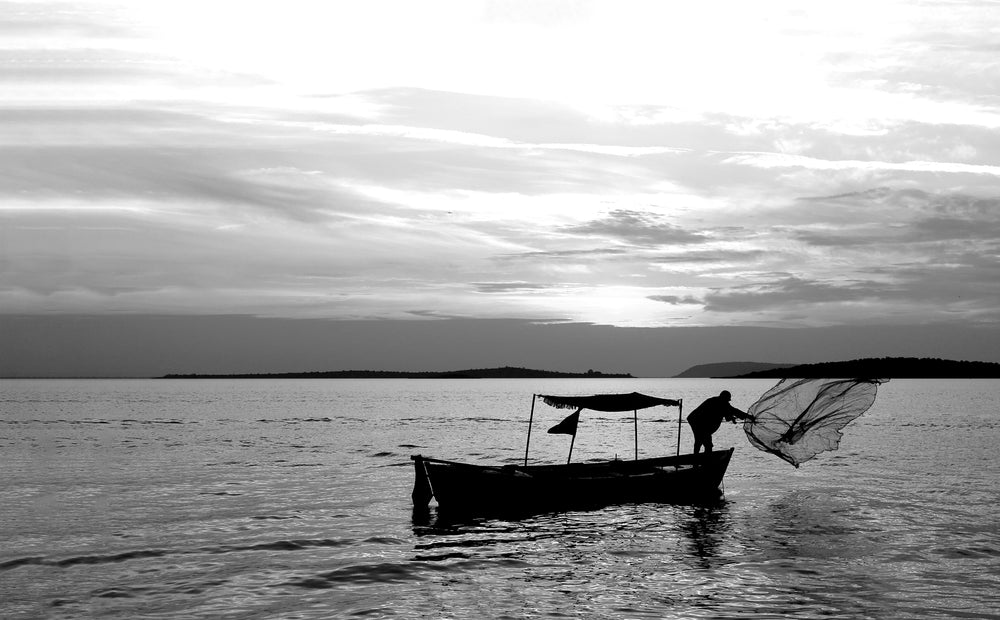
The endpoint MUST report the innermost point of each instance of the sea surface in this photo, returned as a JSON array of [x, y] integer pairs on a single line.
[[291, 499]]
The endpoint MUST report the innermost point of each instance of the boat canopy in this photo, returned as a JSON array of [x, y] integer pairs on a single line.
[[608, 402]]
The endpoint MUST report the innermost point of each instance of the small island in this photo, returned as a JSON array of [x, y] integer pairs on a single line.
[[505, 372], [883, 368]]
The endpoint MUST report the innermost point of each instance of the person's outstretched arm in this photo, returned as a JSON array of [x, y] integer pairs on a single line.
[[735, 413]]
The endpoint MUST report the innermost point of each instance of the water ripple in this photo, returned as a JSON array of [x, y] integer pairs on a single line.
[[280, 545]]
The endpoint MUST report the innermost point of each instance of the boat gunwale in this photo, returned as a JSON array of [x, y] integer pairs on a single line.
[[610, 465]]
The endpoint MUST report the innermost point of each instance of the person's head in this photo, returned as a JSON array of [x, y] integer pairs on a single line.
[[725, 395]]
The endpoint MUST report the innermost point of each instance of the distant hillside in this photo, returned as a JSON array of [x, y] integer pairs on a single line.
[[728, 369], [506, 372], [885, 368]]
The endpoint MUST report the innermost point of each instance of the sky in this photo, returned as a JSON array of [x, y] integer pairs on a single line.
[[338, 185]]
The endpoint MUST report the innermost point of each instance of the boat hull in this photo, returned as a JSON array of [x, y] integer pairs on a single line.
[[463, 487]]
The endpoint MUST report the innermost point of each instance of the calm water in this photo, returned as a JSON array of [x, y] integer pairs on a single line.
[[290, 499]]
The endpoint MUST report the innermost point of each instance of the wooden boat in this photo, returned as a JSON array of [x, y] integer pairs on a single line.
[[469, 488]]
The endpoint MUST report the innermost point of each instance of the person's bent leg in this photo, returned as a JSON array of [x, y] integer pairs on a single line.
[[697, 437]]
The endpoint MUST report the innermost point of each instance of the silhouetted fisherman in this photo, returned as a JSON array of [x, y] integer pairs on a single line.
[[707, 418]]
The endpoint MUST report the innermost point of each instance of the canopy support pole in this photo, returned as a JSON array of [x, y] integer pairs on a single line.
[[571, 442], [680, 411], [635, 420], [531, 419]]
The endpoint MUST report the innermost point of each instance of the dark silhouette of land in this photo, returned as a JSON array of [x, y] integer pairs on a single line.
[[728, 369], [883, 368], [506, 372], [875, 368]]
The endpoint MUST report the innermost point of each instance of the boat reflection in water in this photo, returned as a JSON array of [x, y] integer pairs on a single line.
[[511, 490]]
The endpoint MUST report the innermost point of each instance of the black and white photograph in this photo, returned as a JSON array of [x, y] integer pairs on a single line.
[[503, 309]]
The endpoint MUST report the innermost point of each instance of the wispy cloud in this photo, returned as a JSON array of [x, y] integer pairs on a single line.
[[635, 227], [778, 160]]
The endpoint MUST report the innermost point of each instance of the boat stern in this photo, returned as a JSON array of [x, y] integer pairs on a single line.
[[422, 490]]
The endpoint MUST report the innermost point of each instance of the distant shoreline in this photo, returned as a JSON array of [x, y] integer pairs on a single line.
[[884, 368], [506, 372], [872, 368]]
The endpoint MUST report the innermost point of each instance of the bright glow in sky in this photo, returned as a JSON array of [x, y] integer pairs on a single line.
[[621, 163]]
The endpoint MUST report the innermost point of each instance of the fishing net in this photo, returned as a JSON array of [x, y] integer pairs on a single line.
[[799, 418]]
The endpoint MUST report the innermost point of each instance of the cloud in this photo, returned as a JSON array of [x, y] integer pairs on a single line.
[[956, 229], [790, 291], [146, 165], [478, 140], [82, 66], [74, 73], [965, 283], [840, 239], [180, 179], [711, 256], [889, 217], [956, 59], [636, 228], [509, 287], [780, 160], [74, 20], [925, 291], [431, 158], [677, 300], [565, 254], [649, 129]]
